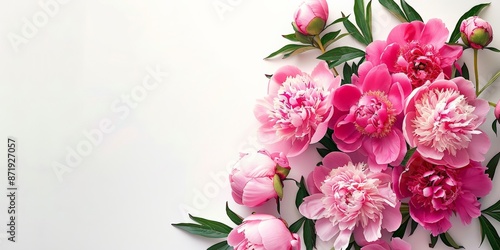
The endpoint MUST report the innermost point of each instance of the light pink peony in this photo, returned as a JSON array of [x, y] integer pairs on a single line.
[[437, 191], [297, 109], [416, 49], [396, 244], [262, 231], [442, 120], [311, 16], [476, 32], [348, 198], [253, 180], [368, 115]]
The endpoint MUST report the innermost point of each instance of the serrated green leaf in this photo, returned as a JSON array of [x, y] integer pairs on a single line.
[[395, 10], [200, 230], [492, 166], [360, 16], [493, 49], [295, 227], [220, 246], [291, 37], [234, 217], [449, 241], [298, 51], [285, 49], [301, 193], [341, 55], [494, 127], [488, 230], [411, 13], [408, 155], [215, 225], [354, 32], [309, 234], [434, 240], [474, 11]]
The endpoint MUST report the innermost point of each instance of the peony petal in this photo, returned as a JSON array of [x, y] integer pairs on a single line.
[[399, 91], [346, 96], [377, 79], [299, 146], [311, 185], [406, 32], [325, 229], [363, 70], [342, 240], [391, 218], [336, 160], [312, 207], [449, 55], [399, 244], [459, 160], [443, 84], [465, 87], [386, 149], [319, 175], [391, 56], [374, 51], [323, 77], [434, 33], [478, 147], [372, 230], [235, 237], [467, 207], [257, 165], [428, 152], [275, 234], [258, 191], [408, 129]]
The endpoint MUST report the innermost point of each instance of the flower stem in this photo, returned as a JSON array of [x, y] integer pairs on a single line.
[[317, 39], [476, 72], [492, 104], [491, 81]]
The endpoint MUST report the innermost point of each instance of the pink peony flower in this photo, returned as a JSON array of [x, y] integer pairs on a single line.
[[311, 16], [396, 244], [262, 231], [348, 198], [442, 120], [368, 115], [297, 110], [255, 179], [416, 49], [436, 191], [476, 32]]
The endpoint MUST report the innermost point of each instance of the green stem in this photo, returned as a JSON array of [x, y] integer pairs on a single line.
[[476, 72], [317, 39], [492, 104], [491, 81]]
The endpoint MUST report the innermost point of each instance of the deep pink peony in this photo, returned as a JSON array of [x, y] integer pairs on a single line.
[[311, 16], [416, 49], [253, 180], [368, 115], [476, 32], [348, 199], [297, 109], [437, 191], [396, 244], [442, 120], [262, 231]]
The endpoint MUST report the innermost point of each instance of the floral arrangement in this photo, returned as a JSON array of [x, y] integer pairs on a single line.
[[398, 132]]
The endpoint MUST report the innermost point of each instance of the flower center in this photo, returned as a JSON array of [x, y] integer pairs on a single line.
[[423, 65], [299, 107], [374, 115], [444, 120]]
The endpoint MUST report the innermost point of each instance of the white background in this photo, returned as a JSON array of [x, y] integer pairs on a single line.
[[167, 153]]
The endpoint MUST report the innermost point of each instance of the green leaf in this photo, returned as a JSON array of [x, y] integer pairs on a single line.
[[235, 218], [329, 36], [493, 49], [449, 241], [492, 166], [360, 16], [291, 37], [328, 143], [341, 55], [488, 230], [286, 48], [295, 227], [309, 234], [393, 7], [434, 240], [200, 230], [215, 225], [465, 71], [413, 227], [335, 39], [400, 233], [301, 193], [474, 11], [408, 155], [492, 208], [493, 215], [494, 126], [323, 152], [298, 51], [220, 246], [338, 20], [347, 72], [369, 17], [411, 13], [351, 28]]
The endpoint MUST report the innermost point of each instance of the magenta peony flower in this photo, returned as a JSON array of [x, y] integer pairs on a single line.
[[442, 120], [311, 16], [348, 198], [416, 49], [476, 32], [297, 110], [437, 191], [368, 115], [258, 178], [262, 231], [396, 244]]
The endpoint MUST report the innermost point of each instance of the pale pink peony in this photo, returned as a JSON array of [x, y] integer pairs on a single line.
[[252, 180], [437, 191], [348, 199], [297, 109], [264, 232], [311, 16], [442, 120], [368, 115], [476, 32], [395, 244], [416, 49]]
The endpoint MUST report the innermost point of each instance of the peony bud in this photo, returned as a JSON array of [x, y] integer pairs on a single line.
[[497, 111], [476, 32], [311, 16]]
